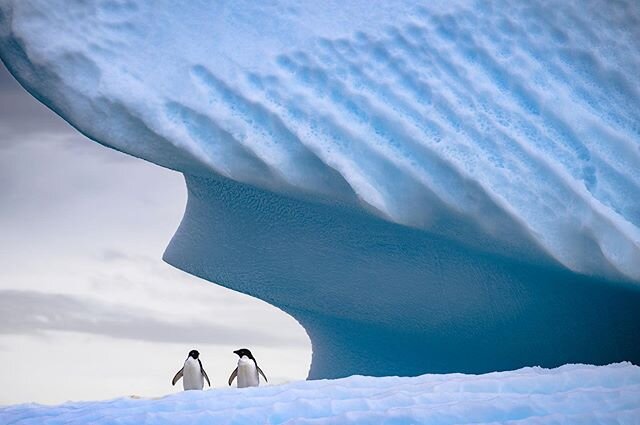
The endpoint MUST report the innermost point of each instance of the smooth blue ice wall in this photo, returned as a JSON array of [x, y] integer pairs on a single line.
[[382, 299]]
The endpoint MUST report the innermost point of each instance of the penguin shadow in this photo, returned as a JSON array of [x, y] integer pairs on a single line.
[[246, 374]]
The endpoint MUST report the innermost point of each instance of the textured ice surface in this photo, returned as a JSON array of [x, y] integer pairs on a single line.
[[416, 183], [510, 116], [572, 394]]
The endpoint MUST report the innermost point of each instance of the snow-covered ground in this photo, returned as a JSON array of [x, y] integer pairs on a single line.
[[572, 394]]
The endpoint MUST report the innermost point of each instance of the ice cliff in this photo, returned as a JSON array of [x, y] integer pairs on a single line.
[[572, 394], [446, 186]]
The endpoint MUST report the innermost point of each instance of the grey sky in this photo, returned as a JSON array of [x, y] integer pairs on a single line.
[[88, 310], [20, 114]]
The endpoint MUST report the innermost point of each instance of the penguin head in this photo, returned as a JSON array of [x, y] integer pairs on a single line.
[[194, 354], [244, 352]]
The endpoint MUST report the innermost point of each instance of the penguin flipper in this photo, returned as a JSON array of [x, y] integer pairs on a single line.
[[204, 373], [262, 373], [177, 377], [233, 376]]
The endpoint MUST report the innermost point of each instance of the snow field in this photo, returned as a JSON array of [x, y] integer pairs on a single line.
[[571, 394]]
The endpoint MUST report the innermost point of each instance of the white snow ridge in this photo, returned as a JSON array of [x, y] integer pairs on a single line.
[[571, 394]]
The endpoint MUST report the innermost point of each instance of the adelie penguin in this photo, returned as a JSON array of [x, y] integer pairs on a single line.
[[247, 370], [192, 373]]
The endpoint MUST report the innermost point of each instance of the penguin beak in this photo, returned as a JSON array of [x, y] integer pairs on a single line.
[[237, 352]]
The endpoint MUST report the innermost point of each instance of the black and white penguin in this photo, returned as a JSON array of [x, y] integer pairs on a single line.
[[192, 373], [247, 370]]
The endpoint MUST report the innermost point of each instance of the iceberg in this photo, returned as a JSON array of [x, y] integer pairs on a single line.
[[431, 186], [575, 394]]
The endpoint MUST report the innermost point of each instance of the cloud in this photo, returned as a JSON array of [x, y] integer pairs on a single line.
[[32, 313], [113, 255]]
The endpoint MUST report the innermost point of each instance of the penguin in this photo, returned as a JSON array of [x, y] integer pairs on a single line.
[[247, 370], [192, 372]]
